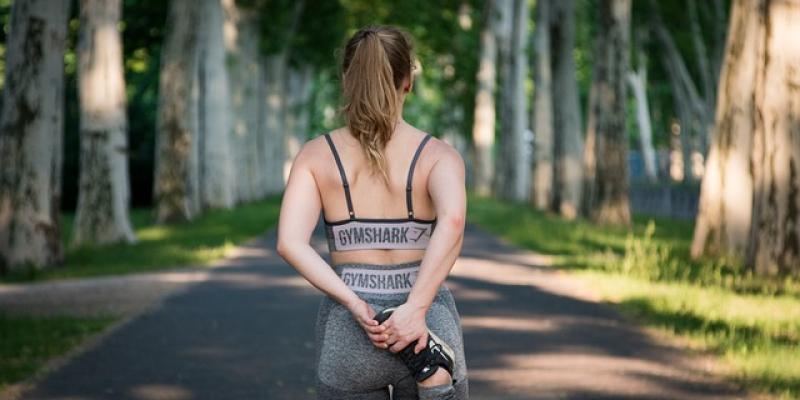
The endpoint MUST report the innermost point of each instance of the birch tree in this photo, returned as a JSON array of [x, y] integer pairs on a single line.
[[542, 110], [177, 173], [31, 131], [637, 79], [513, 178], [610, 204], [484, 125], [217, 177], [104, 187], [566, 111]]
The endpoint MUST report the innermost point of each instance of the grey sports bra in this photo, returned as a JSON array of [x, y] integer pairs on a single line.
[[378, 233]]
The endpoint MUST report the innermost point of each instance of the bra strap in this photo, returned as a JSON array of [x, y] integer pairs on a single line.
[[409, 204], [342, 175]]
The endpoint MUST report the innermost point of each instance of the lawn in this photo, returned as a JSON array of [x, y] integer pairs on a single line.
[[159, 246], [715, 305]]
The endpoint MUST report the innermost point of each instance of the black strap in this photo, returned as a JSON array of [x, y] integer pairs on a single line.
[[409, 204], [344, 178]]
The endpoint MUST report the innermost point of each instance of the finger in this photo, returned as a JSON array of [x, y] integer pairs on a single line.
[[422, 342], [374, 329], [378, 338], [398, 345]]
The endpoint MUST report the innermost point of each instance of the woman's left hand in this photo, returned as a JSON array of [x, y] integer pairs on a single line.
[[406, 324]]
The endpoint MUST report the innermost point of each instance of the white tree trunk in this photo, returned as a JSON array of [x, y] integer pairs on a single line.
[[298, 96], [217, 177], [242, 38], [104, 188], [31, 131], [514, 166], [177, 172], [638, 83], [275, 144], [566, 111], [542, 184], [723, 220], [484, 115]]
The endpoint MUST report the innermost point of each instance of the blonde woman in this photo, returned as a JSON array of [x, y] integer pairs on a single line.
[[393, 201]]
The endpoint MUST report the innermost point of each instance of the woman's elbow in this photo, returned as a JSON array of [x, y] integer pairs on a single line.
[[282, 248], [455, 221]]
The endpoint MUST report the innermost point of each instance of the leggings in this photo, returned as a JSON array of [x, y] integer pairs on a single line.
[[350, 367]]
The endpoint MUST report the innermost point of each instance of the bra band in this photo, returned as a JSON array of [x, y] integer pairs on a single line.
[[409, 202]]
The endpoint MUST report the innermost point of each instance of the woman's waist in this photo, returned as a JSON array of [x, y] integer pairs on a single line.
[[380, 280]]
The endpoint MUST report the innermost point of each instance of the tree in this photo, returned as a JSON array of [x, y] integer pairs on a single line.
[[637, 79], [566, 111], [484, 124], [513, 178], [610, 203], [177, 173], [31, 130], [542, 111], [104, 188]]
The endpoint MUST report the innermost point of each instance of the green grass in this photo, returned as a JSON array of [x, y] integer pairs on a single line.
[[198, 242], [28, 342], [752, 324]]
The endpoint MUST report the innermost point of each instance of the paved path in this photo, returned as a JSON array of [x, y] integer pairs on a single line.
[[244, 331]]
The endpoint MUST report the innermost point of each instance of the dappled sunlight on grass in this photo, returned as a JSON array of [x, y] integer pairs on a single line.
[[751, 323], [199, 242]]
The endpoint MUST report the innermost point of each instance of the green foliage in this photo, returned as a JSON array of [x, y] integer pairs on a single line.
[[28, 342]]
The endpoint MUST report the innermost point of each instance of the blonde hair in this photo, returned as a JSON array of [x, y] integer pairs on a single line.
[[376, 60]]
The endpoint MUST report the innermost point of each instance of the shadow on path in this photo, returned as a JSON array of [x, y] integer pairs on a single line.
[[247, 333]]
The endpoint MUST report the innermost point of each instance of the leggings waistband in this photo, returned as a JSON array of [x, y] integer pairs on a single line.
[[379, 279]]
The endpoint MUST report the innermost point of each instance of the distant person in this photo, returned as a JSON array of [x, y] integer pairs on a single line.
[[393, 200]]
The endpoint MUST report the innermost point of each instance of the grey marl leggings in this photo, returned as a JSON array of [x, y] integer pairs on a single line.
[[350, 367]]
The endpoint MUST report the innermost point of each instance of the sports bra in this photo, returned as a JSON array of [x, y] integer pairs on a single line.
[[378, 233]]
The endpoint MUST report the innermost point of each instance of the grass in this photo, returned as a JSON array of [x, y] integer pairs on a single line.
[[28, 342], [752, 324], [159, 246]]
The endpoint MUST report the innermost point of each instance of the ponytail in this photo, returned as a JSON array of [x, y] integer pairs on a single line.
[[376, 61]]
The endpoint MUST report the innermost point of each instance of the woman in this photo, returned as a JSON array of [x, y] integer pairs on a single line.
[[393, 201]]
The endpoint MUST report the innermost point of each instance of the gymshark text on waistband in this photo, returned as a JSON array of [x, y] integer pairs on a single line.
[[380, 281]]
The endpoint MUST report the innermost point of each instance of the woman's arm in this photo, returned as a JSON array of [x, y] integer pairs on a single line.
[[446, 185], [300, 209]]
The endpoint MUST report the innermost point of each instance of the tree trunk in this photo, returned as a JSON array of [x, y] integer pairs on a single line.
[[177, 178], [31, 135], [725, 208], [242, 38], [774, 246], [638, 82], [298, 97], [274, 105], [217, 177], [566, 111], [104, 189], [503, 180], [483, 127], [542, 111], [611, 148]]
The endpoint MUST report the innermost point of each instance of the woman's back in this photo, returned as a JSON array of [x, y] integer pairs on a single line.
[[370, 198]]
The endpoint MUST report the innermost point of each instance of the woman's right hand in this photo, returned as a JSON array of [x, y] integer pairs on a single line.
[[363, 314]]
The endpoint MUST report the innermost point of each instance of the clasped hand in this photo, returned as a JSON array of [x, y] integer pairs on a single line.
[[404, 326]]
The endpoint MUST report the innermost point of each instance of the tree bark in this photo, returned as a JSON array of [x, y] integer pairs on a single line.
[[566, 111], [104, 188], [274, 132], [725, 208], [774, 242], [31, 131], [298, 97], [242, 38], [217, 177], [484, 125], [542, 184], [177, 174], [611, 204]]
